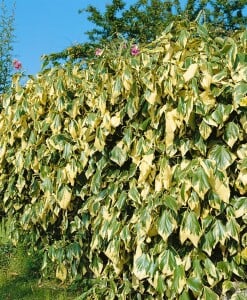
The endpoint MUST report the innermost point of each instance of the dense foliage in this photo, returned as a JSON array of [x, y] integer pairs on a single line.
[[131, 170], [144, 20], [6, 46]]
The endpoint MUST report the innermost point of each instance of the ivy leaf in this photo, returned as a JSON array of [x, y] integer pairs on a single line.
[[233, 229], [195, 285], [142, 266], [209, 243], [220, 186], [185, 296], [171, 202], [205, 130], [200, 182], [222, 156], [190, 73], [64, 196], [134, 194], [190, 228], [240, 91], [219, 232], [151, 96], [166, 225], [61, 272], [231, 133], [97, 265], [240, 206], [179, 279], [161, 287], [167, 261], [208, 294], [118, 155]]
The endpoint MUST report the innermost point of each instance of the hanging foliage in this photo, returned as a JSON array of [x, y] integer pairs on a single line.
[[131, 171]]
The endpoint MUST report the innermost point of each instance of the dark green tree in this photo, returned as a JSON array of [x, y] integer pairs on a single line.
[[144, 20], [228, 15], [6, 45]]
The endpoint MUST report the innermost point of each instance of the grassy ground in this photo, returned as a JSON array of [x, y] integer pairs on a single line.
[[19, 275], [19, 280]]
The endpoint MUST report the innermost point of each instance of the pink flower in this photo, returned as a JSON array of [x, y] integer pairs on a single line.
[[17, 64], [98, 52], [134, 50]]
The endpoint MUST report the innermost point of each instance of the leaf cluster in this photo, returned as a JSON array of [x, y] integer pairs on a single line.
[[131, 171]]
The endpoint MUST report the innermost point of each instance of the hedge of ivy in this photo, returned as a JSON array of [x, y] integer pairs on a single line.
[[130, 171]]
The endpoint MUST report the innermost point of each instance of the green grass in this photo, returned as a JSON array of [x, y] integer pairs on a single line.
[[19, 274]]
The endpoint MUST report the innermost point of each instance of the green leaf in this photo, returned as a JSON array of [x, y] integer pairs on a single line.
[[167, 261], [209, 243], [134, 194], [219, 76], [195, 285], [170, 202], [112, 251], [64, 196], [179, 279], [219, 232], [208, 294], [233, 229], [205, 130], [127, 78], [185, 296], [118, 155], [142, 266], [96, 182], [183, 38], [200, 182], [222, 156], [210, 268], [240, 206], [97, 265], [116, 89], [190, 228], [231, 133], [240, 91], [161, 286], [166, 225]]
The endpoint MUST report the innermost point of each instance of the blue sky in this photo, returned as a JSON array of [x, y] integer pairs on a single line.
[[48, 26]]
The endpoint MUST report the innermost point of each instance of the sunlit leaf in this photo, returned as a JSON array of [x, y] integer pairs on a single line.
[[190, 228], [219, 232], [141, 266], [64, 196], [208, 294], [179, 280], [167, 261], [200, 182], [118, 155], [195, 285], [166, 224], [190, 72], [61, 272], [222, 156]]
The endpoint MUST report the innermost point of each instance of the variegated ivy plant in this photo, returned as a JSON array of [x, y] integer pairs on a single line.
[[131, 170]]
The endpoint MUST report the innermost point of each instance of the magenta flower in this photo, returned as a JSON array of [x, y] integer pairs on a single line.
[[17, 64], [134, 50], [98, 52]]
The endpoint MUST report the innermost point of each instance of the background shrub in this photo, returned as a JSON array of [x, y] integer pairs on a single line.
[[130, 171]]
